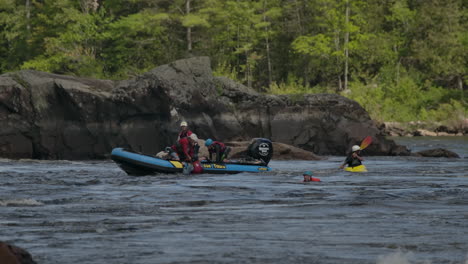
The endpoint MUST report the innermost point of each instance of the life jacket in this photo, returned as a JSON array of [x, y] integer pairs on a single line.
[[183, 148], [184, 134], [221, 146], [352, 162]]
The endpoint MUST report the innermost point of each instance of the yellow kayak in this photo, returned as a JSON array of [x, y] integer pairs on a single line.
[[360, 168]]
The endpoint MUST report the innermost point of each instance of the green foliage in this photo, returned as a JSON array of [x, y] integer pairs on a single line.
[[318, 45], [406, 59], [192, 20], [406, 102], [452, 113], [294, 85], [135, 43]]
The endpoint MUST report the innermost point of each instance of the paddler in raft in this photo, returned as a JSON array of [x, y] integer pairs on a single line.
[[354, 161], [184, 131], [187, 148], [219, 149]]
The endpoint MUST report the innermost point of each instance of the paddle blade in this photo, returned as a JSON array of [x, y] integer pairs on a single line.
[[366, 142]]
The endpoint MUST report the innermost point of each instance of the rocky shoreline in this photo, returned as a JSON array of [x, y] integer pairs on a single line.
[[418, 128]]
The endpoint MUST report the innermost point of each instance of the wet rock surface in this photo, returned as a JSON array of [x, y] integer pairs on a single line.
[[49, 116], [10, 254], [437, 153]]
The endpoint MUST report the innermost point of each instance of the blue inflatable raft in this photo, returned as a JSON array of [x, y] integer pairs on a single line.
[[140, 164]]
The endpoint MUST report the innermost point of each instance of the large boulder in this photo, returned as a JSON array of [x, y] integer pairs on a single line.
[[10, 254], [49, 116], [437, 152]]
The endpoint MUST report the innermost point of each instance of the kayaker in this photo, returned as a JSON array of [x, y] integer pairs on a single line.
[[308, 177], [353, 159], [184, 131], [218, 148], [187, 148]]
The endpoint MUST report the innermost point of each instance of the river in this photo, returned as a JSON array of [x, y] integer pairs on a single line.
[[404, 210]]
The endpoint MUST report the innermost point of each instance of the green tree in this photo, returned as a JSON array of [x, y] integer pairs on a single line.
[[439, 43], [15, 34], [135, 43], [67, 34]]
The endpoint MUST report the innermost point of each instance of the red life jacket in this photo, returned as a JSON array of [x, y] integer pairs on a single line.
[[183, 148], [184, 134], [221, 146]]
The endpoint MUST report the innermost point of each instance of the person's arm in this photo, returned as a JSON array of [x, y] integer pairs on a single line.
[[196, 147], [211, 154], [218, 154], [355, 155], [344, 163], [185, 149]]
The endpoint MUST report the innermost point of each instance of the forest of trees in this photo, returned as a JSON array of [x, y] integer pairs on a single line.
[[402, 60]]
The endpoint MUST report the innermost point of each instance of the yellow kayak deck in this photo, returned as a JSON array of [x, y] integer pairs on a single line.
[[360, 168]]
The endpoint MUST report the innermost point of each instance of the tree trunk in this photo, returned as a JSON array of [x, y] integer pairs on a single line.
[[346, 41], [28, 16], [460, 86], [298, 15], [337, 48], [248, 70], [189, 29], [267, 43]]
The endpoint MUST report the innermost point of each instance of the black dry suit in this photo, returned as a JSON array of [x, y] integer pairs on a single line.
[[351, 161]]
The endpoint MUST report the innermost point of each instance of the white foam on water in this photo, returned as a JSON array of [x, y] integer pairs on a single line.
[[395, 258], [20, 202]]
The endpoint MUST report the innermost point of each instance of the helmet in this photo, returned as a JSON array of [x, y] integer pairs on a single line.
[[193, 136], [183, 123], [208, 142], [308, 173], [355, 148]]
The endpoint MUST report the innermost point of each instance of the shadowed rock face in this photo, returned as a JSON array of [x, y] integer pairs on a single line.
[[10, 254], [48, 116]]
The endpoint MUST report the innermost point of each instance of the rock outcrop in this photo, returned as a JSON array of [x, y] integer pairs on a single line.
[[49, 116], [437, 153], [10, 254]]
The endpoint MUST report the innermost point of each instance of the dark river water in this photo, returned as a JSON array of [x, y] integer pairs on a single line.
[[404, 210]]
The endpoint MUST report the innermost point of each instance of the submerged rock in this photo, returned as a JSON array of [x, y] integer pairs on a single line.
[[50, 116], [438, 152], [10, 254]]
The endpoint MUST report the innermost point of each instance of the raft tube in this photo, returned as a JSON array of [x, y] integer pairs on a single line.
[[138, 164]]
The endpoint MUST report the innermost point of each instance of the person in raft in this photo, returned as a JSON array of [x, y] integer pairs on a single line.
[[353, 158], [218, 148], [187, 148], [184, 131], [308, 177]]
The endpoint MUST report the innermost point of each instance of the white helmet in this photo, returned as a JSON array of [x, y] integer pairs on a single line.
[[355, 148], [183, 123], [194, 136]]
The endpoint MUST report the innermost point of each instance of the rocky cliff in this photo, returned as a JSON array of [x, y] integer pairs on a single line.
[[49, 116]]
